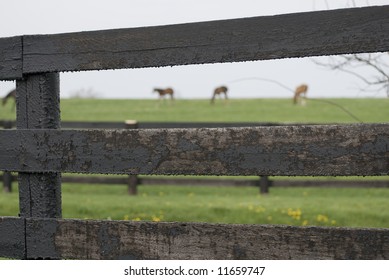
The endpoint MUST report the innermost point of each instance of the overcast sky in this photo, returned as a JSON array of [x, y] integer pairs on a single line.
[[19, 17]]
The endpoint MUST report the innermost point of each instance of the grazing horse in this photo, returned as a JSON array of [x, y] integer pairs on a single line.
[[218, 91], [164, 92], [300, 94], [11, 94]]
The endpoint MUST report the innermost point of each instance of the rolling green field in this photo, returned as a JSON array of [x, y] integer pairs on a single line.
[[291, 206], [235, 110]]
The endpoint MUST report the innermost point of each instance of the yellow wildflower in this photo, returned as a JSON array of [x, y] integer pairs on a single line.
[[155, 219], [322, 218], [295, 214]]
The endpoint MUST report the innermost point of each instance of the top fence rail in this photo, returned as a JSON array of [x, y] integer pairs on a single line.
[[356, 30]]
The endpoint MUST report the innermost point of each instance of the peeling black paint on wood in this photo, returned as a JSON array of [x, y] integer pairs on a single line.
[[11, 58], [44, 246], [12, 240], [259, 38], [288, 150], [37, 100], [354, 30], [88, 239]]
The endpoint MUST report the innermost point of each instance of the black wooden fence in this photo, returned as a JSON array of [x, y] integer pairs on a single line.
[[263, 183], [39, 150]]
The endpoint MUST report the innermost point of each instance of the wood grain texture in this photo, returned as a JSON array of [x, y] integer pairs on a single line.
[[293, 35], [288, 150], [38, 102], [38, 108], [12, 239], [88, 239], [11, 58]]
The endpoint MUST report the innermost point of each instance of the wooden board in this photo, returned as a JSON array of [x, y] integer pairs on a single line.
[[88, 239], [271, 37], [288, 150], [12, 238], [11, 58]]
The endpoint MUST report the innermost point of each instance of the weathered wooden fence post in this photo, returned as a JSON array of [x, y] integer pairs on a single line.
[[7, 182], [133, 185], [38, 108], [7, 176], [264, 184], [132, 179]]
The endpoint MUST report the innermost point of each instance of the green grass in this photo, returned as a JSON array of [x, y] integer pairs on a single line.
[[236, 110], [291, 206], [234, 205], [256, 110]]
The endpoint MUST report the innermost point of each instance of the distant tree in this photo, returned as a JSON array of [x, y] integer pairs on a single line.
[[84, 93], [378, 63]]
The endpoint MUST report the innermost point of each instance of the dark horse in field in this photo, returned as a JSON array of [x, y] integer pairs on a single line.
[[218, 91], [165, 92], [10, 95]]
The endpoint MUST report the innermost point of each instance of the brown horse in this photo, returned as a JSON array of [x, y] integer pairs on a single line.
[[218, 91], [300, 94], [11, 94], [164, 92]]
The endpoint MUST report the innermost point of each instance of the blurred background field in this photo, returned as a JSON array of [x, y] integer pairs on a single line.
[[234, 110], [354, 207], [290, 206]]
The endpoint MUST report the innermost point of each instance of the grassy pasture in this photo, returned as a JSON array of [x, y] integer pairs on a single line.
[[256, 110], [291, 206], [235, 110]]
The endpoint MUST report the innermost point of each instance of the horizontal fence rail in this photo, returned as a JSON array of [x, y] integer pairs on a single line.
[[263, 182], [89, 239], [145, 181], [12, 237], [288, 150], [11, 58], [259, 38]]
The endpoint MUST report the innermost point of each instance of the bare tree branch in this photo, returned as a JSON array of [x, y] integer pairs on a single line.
[[378, 63]]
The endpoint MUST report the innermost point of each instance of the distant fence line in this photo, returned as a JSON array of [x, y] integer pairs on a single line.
[[133, 181], [263, 182]]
